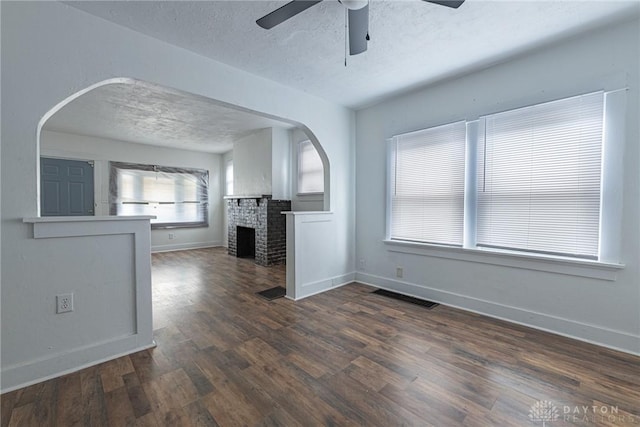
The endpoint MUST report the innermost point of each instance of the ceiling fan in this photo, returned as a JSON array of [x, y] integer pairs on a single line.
[[358, 18]]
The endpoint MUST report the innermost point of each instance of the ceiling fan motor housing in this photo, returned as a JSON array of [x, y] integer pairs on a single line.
[[354, 4]]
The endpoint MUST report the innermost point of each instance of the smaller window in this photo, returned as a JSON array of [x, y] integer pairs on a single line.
[[310, 169], [229, 178], [427, 191], [178, 197]]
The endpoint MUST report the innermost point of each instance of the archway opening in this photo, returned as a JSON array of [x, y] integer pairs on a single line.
[[147, 144]]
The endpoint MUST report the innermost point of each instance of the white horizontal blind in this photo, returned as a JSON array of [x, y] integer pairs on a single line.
[[229, 178], [539, 178], [310, 169], [427, 201]]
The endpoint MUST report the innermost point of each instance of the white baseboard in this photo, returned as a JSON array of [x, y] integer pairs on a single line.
[[617, 340], [185, 246], [313, 288], [32, 372]]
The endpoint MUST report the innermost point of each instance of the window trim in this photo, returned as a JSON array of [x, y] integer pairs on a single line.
[[204, 196], [609, 262]]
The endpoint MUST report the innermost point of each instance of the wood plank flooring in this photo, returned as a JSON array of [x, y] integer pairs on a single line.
[[226, 357]]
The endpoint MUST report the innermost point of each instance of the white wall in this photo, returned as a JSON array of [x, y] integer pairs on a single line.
[[252, 164], [110, 283], [315, 233], [280, 164], [602, 311], [261, 164], [103, 150], [50, 51]]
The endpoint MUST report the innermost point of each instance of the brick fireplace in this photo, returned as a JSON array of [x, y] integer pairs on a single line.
[[264, 215]]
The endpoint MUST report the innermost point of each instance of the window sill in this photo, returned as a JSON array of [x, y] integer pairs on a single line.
[[547, 263], [165, 226], [310, 197]]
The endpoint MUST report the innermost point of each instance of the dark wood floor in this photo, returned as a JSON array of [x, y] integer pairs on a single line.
[[346, 357]]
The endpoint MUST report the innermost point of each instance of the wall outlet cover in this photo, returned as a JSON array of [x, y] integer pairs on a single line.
[[64, 303]]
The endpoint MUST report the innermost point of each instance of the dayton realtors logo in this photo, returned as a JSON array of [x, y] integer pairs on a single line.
[[545, 411]]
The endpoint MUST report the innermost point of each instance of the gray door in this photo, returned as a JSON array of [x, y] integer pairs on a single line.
[[66, 187]]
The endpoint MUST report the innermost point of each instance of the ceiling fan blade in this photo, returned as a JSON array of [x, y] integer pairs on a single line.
[[285, 12], [358, 30], [449, 3]]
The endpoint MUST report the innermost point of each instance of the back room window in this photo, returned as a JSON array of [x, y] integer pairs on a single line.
[[178, 197]]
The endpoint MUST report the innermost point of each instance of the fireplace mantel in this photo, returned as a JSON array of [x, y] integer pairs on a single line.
[[251, 196]]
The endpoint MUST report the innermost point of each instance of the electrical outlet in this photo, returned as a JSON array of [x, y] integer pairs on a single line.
[[363, 263], [172, 236], [64, 303], [399, 272]]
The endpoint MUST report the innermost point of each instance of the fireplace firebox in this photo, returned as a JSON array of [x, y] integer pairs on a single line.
[[245, 242]]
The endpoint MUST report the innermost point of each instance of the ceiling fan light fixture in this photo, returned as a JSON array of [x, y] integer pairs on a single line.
[[354, 4]]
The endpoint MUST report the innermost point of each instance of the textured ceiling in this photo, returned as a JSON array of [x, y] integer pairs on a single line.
[[413, 43], [150, 114]]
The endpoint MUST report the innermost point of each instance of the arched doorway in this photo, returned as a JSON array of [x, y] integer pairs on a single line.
[[161, 133]]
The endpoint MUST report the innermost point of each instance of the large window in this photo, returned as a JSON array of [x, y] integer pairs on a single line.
[[539, 178], [527, 180], [178, 197], [310, 169]]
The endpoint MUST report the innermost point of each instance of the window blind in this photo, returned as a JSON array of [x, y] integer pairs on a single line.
[[229, 178], [427, 202], [310, 169], [539, 178]]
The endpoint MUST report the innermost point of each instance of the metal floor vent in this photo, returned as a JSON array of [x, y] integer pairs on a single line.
[[405, 298], [273, 293]]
